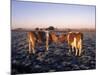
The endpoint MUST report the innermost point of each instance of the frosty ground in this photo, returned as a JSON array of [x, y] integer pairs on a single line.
[[57, 58]]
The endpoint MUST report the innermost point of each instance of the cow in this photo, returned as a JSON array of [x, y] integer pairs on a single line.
[[74, 40], [37, 37], [43, 37]]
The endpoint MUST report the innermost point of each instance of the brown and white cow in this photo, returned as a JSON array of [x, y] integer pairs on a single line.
[[40, 37], [75, 42], [37, 37]]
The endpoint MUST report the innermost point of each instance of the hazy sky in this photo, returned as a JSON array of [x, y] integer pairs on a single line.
[[32, 14]]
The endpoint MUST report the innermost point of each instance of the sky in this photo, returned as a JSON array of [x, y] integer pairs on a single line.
[[42, 15]]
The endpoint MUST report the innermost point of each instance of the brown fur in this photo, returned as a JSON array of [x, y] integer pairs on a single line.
[[54, 37]]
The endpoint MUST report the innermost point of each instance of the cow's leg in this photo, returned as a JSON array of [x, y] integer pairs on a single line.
[[80, 49], [76, 51], [30, 47], [74, 44], [80, 52], [33, 46], [47, 46], [69, 49], [33, 50], [72, 48], [47, 40]]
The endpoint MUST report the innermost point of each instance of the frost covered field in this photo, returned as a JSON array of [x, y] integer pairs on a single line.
[[56, 59]]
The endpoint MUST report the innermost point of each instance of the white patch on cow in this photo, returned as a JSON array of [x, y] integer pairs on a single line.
[[74, 42]]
